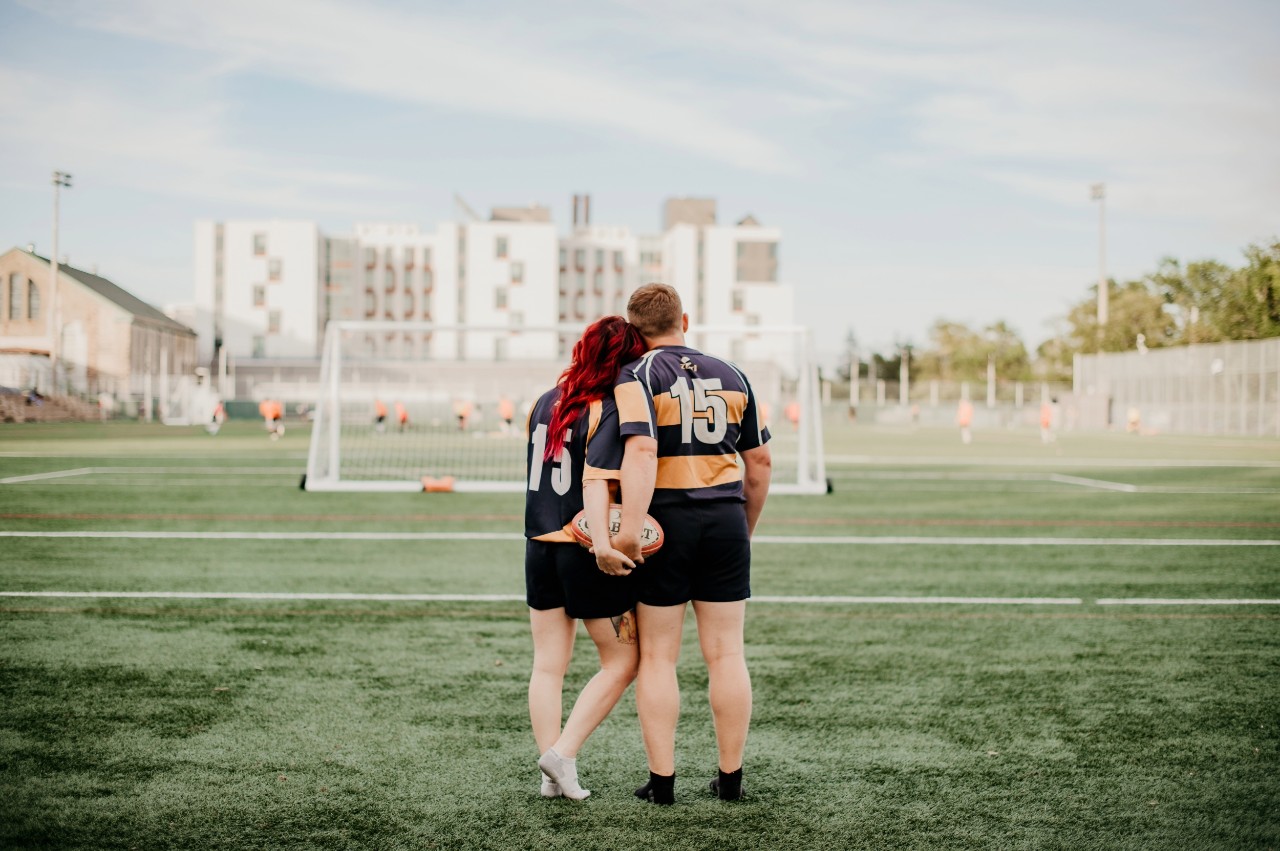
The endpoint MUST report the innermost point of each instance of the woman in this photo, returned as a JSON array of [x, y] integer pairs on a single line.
[[574, 452]]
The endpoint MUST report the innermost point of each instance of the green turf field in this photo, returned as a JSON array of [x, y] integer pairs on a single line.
[[904, 697]]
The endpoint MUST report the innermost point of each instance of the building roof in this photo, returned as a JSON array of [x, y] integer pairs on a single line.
[[118, 296]]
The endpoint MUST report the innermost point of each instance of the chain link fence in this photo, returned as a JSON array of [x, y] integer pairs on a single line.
[[1217, 388]]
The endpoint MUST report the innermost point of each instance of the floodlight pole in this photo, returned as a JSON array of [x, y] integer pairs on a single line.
[[1098, 192], [60, 179]]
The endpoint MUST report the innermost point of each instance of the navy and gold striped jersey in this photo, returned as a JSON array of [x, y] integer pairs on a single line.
[[592, 450], [702, 412]]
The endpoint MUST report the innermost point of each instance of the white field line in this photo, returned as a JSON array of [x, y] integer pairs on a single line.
[[514, 598], [55, 474], [1169, 601], [980, 461], [837, 540], [278, 536], [847, 540], [1093, 483], [993, 601]]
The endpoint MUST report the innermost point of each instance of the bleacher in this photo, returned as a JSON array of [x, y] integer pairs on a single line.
[[16, 406]]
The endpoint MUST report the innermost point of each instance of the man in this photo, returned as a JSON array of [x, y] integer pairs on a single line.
[[686, 417]]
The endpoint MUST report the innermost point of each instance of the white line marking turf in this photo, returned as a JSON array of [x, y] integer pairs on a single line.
[[836, 540], [1093, 483], [514, 598], [54, 474], [1170, 601]]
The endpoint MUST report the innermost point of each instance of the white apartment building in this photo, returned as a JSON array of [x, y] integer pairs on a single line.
[[727, 275], [598, 271], [258, 288], [265, 289]]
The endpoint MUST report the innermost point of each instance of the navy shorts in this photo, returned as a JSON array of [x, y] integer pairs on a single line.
[[565, 575], [706, 555]]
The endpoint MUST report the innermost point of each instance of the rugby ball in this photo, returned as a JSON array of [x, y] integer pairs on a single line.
[[651, 536]]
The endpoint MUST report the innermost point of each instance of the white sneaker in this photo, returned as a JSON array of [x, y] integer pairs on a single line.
[[564, 772]]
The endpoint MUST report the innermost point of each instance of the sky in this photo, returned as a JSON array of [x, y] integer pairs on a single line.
[[923, 160]]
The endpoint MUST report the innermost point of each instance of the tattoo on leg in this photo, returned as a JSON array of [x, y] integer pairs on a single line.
[[624, 626]]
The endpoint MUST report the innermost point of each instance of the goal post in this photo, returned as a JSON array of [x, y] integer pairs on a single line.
[[412, 406]]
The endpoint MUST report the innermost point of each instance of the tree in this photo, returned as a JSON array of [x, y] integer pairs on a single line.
[[1134, 309], [1250, 306], [959, 353]]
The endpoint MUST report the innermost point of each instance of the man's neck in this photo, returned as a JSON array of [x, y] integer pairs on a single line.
[[676, 339]]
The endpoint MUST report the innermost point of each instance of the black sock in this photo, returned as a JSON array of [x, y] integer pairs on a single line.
[[659, 789], [728, 785]]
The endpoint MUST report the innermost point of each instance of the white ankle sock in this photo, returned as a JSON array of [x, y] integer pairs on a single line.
[[563, 771], [550, 788]]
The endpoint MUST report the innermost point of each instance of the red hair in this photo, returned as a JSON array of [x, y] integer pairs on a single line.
[[606, 346]]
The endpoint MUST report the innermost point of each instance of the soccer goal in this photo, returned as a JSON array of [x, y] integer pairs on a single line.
[[411, 406]]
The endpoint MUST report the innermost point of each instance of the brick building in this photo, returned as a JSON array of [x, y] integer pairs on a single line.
[[110, 341]]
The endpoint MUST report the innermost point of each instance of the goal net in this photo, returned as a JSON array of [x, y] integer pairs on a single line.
[[408, 406]]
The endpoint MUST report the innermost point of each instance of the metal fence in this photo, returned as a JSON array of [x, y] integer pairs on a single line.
[[1217, 388]]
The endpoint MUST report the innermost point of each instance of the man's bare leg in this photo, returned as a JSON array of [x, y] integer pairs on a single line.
[[658, 693], [720, 634]]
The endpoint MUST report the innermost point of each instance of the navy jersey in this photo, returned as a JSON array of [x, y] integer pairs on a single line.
[[592, 450], [702, 412]]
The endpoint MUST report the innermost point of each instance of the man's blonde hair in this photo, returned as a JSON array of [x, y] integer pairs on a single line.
[[655, 310]]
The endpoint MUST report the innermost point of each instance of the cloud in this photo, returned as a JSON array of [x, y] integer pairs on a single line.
[[168, 146], [438, 61], [1179, 115]]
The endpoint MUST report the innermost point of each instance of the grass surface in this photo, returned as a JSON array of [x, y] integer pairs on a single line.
[[328, 724]]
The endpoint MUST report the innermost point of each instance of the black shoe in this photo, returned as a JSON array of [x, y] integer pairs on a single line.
[[647, 792], [714, 785]]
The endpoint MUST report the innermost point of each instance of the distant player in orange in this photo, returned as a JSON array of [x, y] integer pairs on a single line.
[[1046, 422], [379, 416], [272, 412], [792, 413], [964, 419], [506, 413], [216, 419], [402, 415], [462, 410]]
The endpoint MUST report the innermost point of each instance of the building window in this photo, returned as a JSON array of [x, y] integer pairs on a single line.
[[273, 269], [579, 258], [259, 295], [617, 260], [564, 258], [517, 318], [737, 299], [408, 303], [428, 279], [259, 346], [259, 244], [500, 348], [599, 258], [426, 256], [273, 322], [15, 296], [517, 272], [581, 282], [370, 257], [500, 298], [33, 300], [564, 306], [597, 283], [500, 249], [370, 303]]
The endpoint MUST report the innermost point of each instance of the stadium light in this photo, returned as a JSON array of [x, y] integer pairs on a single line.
[[60, 179]]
